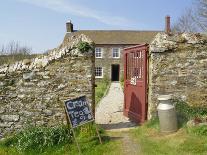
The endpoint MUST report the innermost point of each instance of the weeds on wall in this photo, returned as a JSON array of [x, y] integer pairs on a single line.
[[188, 111], [85, 47]]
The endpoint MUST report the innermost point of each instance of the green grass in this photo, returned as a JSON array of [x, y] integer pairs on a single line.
[[91, 147], [186, 141], [122, 81], [58, 141], [101, 89]]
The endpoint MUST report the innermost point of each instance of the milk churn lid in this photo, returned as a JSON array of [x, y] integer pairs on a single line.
[[164, 97], [165, 106]]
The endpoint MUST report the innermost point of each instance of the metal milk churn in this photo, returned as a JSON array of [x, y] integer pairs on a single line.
[[167, 114]]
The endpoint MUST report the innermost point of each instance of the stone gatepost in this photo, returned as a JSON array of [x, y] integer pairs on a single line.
[[178, 66]]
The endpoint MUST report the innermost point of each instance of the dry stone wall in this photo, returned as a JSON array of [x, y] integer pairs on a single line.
[[32, 92], [178, 66]]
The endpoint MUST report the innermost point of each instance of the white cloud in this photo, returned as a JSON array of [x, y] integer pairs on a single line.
[[78, 10]]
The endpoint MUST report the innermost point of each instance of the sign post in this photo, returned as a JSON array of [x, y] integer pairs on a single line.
[[79, 113]]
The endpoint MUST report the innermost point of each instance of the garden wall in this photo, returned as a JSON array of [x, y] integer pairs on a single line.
[[32, 92], [178, 66]]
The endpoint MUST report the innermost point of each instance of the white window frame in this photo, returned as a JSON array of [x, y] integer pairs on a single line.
[[98, 77], [101, 52], [113, 52]]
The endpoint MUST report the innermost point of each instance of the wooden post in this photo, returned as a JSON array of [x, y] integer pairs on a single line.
[[98, 133], [70, 124], [76, 141]]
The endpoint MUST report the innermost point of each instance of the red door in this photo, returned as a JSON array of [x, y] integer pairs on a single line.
[[135, 82]]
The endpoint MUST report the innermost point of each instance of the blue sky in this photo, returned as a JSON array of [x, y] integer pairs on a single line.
[[40, 24]]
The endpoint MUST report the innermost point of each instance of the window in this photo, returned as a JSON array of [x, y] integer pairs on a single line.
[[98, 52], [99, 72], [116, 53]]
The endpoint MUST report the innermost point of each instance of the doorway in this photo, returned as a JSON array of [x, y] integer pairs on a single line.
[[115, 72]]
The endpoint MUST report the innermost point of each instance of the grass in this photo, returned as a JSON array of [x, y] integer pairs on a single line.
[[91, 147], [58, 141], [186, 141], [122, 81], [101, 89]]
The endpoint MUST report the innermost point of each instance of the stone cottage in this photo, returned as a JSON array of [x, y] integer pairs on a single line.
[[109, 45]]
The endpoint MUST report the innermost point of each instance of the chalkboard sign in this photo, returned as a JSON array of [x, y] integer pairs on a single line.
[[78, 111]]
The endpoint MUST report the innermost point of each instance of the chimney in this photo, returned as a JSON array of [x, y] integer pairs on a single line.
[[167, 25], [69, 26]]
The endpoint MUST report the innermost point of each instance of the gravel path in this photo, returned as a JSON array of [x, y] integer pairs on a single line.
[[109, 113]]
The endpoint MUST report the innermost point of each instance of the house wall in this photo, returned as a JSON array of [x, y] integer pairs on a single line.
[[32, 92], [107, 60], [178, 66]]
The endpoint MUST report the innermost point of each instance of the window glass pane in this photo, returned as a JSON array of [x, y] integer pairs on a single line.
[[98, 71], [98, 52], [115, 53]]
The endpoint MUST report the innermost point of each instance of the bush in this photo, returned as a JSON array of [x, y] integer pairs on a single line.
[[39, 138]]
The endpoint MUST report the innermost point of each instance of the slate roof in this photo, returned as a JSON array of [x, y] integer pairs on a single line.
[[116, 36]]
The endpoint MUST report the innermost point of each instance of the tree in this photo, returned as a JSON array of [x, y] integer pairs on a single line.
[[186, 23], [193, 19], [14, 48], [201, 14]]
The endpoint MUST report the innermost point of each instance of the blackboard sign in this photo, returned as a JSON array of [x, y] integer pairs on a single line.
[[78, 111]]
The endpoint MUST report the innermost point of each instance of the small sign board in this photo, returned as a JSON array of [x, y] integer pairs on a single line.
[[133, 81], [78, 111]]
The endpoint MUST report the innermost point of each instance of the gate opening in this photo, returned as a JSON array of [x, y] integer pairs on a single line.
[[115, 72]]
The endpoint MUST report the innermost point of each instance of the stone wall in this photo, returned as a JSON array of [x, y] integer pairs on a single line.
[[178, 66], [32, 92]]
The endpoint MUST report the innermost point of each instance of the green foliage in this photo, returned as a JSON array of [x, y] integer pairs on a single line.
[[153, 142], [200, 130], [58, 140], [153, 123], [39, 138], [88, 130], [189, 111], [101, 89], [186, 112], [122, 81], [84, 47]]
